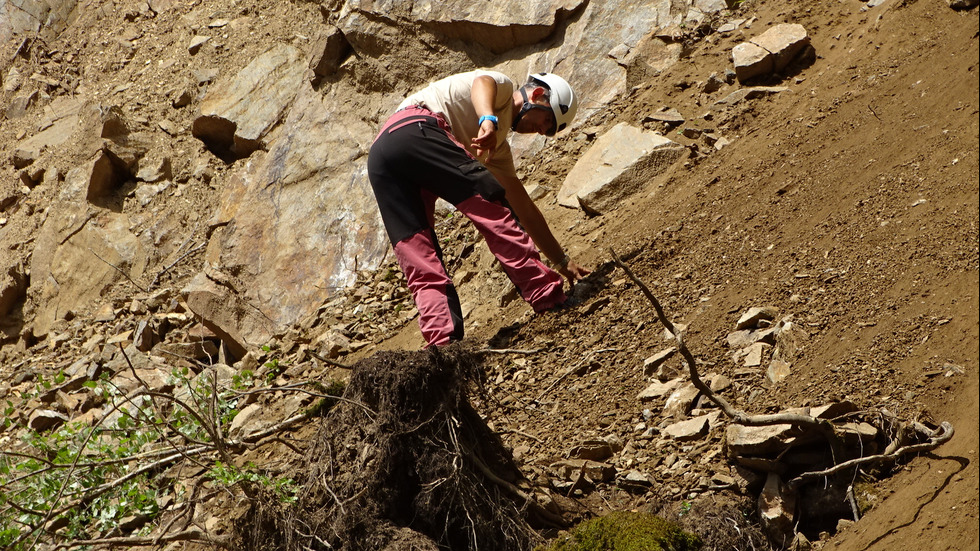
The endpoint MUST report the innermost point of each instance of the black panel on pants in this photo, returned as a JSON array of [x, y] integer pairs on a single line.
[[416, 156]]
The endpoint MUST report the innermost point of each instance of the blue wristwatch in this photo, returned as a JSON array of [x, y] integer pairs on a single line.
[[491, 118]]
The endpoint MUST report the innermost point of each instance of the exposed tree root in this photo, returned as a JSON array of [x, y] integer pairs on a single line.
[[423, 472]]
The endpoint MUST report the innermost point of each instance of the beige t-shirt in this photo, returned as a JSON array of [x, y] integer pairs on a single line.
[[451, 97]]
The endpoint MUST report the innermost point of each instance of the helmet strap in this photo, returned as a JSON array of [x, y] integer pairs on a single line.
[[524, 109], [527, 106]]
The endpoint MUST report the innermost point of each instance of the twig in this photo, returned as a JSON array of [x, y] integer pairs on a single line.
[[131, 368], [105, 463], [938, 437], [256, 436], [573, 369], [296, 388], [156, 279], [524, 434], [333, 495], [508, 351], [515, 491], [328, 360], [187, 535], [116, 268], [286, 443], [853, 502]]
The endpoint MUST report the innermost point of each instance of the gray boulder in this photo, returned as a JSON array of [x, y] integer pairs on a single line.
[[240, 111], [621, 162]]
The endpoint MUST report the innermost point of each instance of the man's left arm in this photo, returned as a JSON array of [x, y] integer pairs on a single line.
[[537, 227]]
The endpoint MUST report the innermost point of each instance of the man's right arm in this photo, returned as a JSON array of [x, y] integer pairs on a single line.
[[483, 94]]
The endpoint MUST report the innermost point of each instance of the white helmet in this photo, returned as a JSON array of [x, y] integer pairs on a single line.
[[560, 97]]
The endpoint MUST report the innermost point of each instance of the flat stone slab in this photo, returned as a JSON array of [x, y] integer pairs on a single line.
[[771, 51], [743, 440], [620, 163], [658, 390], [689, 429]]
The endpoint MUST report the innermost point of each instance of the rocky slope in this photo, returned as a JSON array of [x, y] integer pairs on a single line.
[[140, 236]]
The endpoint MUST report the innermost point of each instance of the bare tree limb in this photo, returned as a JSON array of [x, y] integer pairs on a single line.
[[156, 279], [297, 387], [825, 426], [573, 369], [736, 415], [116, 268], [197, 536], [328, 360], [936, 438], [508, 351], [514, 491]]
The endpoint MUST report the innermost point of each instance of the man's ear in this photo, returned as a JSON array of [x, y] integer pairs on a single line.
[[538, 93]]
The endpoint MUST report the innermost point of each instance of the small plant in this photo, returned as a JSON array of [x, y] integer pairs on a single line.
[[229, 475], [626, 531], [243, 380], [80, 481], [57, 476]]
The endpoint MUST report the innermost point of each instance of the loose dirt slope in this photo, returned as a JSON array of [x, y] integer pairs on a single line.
[[850, 203]]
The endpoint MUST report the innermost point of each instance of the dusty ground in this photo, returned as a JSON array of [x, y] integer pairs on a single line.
[[850, 203]]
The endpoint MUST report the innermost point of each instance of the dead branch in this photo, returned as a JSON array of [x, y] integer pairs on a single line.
[[573, 369], [514, 491], [297, 387], [131, 367], [116, 268], [328, 360], [936, 438], [508, 351], [524, 434], [736, 415], [99, 490], [256, 436], [197, 536], [156, 279]]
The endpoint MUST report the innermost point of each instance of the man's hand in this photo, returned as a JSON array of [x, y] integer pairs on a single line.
[[486, 141], [573, 272]]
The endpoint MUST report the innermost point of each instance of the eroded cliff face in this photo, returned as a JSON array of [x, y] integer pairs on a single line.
[[46, 18], [159, 140]]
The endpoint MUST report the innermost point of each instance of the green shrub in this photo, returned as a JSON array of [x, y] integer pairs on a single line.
[[626, 531]]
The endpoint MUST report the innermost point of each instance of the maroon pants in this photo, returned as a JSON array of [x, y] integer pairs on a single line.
[[416, 159]]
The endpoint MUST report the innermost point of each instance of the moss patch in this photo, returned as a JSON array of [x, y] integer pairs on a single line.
[[626, 531]]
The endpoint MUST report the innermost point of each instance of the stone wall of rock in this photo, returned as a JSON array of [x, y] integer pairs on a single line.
[[47, 18]]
